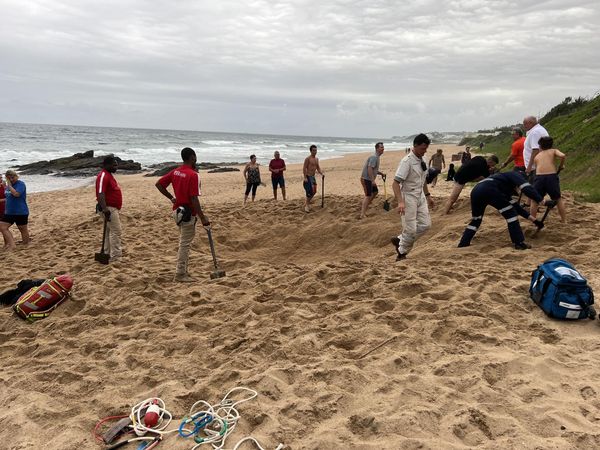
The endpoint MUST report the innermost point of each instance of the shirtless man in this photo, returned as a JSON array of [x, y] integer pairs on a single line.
[[311, 166], [546, 175]]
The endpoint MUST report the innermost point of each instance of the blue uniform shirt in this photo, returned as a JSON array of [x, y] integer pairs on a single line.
[[17, 206]]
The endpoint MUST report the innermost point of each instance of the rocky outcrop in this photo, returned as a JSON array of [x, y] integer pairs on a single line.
[[80, 164], [164, 168]]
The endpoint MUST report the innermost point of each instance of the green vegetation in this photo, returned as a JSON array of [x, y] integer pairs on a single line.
[[575, 127]]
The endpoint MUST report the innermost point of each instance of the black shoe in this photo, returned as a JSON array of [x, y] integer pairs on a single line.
[[539, 224], [401, 256], [522, 246], [395, 242], [460, 244]]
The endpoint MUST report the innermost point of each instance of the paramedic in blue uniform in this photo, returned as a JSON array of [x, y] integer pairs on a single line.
[[497, 191]]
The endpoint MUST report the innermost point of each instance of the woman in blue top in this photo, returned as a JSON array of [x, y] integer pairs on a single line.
[[16, 210]]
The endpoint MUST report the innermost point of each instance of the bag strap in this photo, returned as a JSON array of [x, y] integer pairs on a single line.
[[585, 307], [535, 283]]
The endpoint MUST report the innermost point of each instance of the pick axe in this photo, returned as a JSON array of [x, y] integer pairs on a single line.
[[103, 258], [217, 273]]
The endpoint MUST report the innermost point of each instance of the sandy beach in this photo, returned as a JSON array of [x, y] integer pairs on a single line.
[[346, 348]]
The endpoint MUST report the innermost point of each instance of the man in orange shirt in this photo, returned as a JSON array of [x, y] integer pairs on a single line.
[[516, 151]]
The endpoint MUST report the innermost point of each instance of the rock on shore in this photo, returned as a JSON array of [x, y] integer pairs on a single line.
[[80, 165]]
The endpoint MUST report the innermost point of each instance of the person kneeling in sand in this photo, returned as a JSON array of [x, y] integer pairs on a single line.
[[368, 176], [310, 168], [475, 169], [497, 191], [187, 190], [546, 177], [413, 197]]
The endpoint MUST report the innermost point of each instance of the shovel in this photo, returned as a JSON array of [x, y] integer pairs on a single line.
[[102, 257], [217, 273], [549, 205], [322, 191], [386, 203]]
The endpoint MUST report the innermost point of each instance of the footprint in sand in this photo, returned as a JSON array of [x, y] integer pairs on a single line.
[[588, 393]]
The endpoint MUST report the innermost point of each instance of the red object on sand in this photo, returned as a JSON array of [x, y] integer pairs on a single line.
[[152, 415], [38, 302]]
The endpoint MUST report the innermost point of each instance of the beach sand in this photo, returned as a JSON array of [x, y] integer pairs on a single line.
[[467, 361]]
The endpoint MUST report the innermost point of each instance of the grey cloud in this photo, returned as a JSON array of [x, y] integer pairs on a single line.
[[361, 68]]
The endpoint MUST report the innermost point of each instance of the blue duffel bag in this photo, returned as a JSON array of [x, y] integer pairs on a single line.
[[561, 291]]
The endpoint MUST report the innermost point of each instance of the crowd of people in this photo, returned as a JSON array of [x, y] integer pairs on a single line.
[[534, 176]]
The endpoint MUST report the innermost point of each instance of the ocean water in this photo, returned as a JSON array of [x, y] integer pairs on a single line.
[[26, 143]]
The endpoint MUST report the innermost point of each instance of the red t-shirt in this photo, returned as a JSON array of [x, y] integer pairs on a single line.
[[2, 204], [277, 164], [516, 150], [185, 185], [107, 185]]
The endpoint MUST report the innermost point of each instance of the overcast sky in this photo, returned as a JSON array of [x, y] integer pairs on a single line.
[[373, 68]]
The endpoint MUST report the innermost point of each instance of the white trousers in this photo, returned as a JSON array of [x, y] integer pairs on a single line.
[[415, 221], [112, 240]]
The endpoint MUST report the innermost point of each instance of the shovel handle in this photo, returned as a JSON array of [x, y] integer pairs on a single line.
[[212, 247], [322, 191]]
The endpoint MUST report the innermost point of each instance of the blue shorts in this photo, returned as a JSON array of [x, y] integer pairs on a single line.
[[310, 186], [279, 181]]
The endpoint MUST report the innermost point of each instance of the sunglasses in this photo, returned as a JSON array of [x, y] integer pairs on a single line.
[[423, 166]]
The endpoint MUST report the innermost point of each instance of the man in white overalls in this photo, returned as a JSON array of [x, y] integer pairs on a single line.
[[412, 196]]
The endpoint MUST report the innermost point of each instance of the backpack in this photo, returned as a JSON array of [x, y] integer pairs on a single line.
[[38, 302], [561, 291]]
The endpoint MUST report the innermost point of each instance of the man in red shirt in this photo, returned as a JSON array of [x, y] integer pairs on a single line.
[[516, 151], [277, 167], [110, 201], [186, 207]]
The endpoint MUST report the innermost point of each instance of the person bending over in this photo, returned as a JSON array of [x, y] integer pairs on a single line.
[[497, 191], [475, 169]]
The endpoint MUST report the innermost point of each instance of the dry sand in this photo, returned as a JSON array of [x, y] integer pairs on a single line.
[[468, 360]]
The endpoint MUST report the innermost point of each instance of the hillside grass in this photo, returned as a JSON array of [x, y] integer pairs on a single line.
[[575, 127]]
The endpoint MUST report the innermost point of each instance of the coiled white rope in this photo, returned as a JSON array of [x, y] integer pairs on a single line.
[[212, 423], [137, 417], [255, 442]]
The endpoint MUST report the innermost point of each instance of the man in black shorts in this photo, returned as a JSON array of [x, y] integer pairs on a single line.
[[367, 178], [476, 169]]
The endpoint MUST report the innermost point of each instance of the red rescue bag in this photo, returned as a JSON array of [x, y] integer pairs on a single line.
[[38, 302]]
